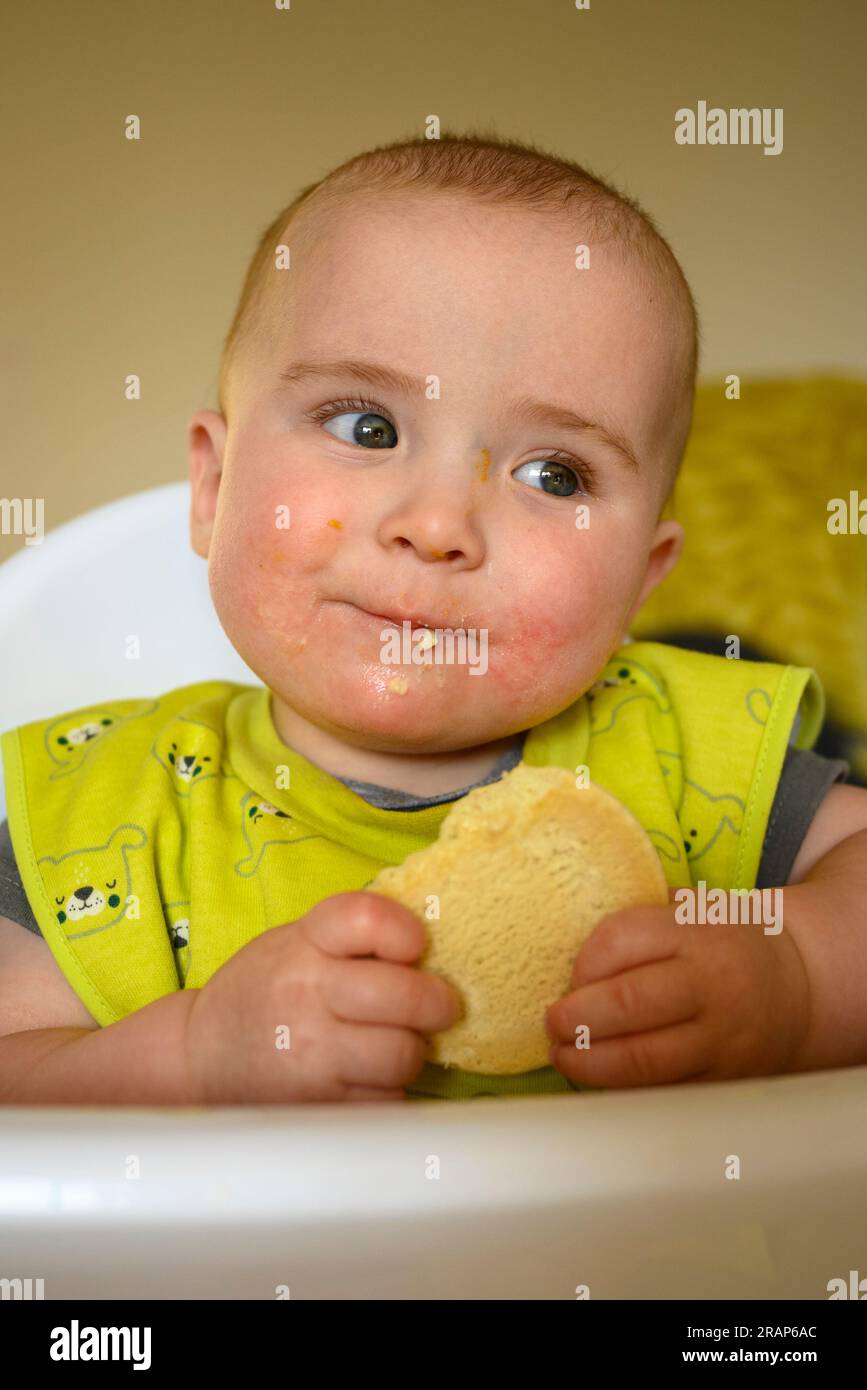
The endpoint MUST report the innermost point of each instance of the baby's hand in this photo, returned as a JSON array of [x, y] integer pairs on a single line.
[[329, 1007], [665, 1002]]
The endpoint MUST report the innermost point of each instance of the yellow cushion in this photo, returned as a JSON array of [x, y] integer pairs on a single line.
[[759, 561]]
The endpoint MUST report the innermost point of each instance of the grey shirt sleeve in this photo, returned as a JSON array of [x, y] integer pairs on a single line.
[[13, 899], [806, 778]]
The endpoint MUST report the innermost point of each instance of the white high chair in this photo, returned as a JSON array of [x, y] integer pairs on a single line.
[[624, 1192]]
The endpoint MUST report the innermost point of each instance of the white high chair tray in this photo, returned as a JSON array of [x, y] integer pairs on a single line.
[[623, 1192]]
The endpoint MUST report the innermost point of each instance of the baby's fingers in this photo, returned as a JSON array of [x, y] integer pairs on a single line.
[[662, 1057], [629, 937], [651, 996], [402, 996]]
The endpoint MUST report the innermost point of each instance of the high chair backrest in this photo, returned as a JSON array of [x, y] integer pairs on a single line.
[[114, 604]]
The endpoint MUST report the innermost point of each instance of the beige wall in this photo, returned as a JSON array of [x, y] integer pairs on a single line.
[[126, 257]]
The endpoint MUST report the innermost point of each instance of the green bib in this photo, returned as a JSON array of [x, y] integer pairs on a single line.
[[156, 837]]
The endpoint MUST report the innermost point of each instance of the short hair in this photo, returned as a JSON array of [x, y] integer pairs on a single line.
[[494, 171]]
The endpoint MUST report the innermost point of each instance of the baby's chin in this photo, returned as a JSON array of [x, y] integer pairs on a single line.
[[421, 709], [336, 672]]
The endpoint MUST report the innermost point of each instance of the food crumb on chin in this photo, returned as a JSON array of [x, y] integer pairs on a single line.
[[399, 685]]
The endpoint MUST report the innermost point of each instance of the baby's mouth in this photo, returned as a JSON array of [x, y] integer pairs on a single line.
[[397, 619], [415, 621]]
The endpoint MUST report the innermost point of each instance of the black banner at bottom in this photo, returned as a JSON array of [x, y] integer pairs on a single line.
[[63, 1338]]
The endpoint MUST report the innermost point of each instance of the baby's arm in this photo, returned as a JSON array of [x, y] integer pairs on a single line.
[[343, 975], [52, 1051], [825, 908]]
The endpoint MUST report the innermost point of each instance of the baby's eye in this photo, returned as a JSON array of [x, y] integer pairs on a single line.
[[366, 428], [551, 476]]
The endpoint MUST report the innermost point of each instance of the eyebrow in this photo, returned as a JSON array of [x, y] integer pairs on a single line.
[[525, 407]]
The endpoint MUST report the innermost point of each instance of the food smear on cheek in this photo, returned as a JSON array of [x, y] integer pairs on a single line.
[[279, 593], [275, 620], [279, 604]]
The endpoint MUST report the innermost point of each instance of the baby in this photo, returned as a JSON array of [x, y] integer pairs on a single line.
[[453, 401]]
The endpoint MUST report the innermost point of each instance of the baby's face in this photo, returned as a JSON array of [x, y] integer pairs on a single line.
[[445, 499]]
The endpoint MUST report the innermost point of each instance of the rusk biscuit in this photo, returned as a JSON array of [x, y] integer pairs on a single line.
[[520, 875]]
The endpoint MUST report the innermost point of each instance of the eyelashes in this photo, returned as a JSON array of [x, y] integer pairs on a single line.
[[332, 408]]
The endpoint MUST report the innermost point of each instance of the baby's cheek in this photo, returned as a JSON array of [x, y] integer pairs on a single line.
[[559, 642], [271, 551], [294, 530], [535, 659]]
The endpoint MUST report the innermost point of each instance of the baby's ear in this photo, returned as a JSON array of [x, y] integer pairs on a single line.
[[206, 434], [663, 555]]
